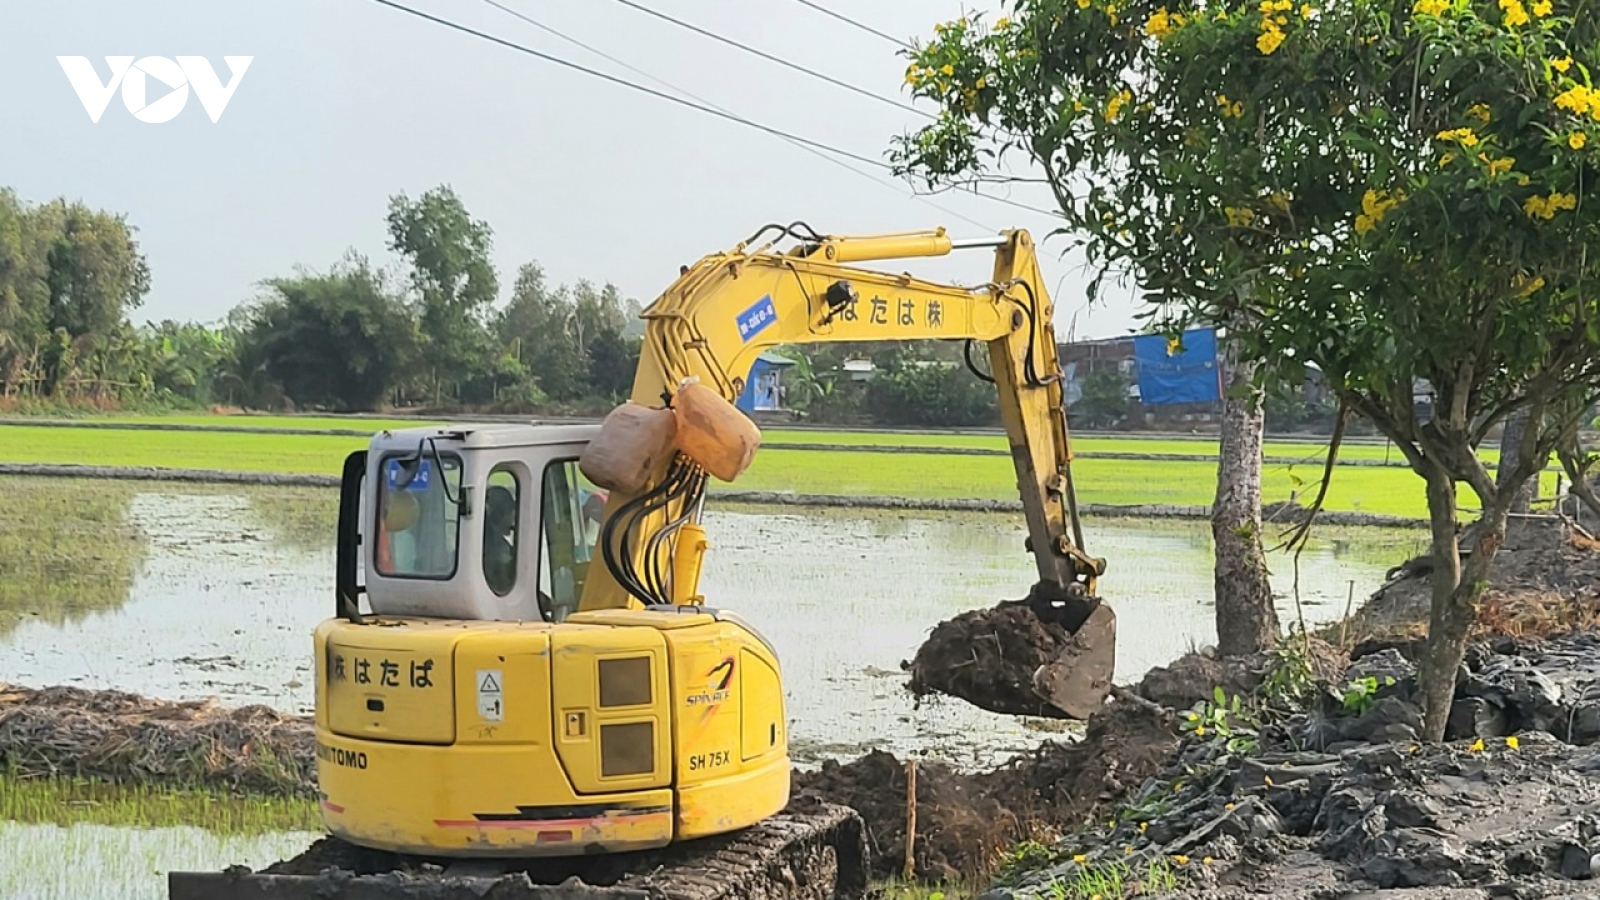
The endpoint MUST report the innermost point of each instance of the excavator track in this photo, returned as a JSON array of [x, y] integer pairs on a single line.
[[810, 851]]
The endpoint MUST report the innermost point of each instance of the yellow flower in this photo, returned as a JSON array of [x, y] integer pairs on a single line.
[[1512, 740], [982, 82], [1206, 861], [1115, 106], [1126, 849], [1477, 745], [1516, 15], [1001, 22], [1307, 11], [1280, 199], [1526, 289], [1577, 139], [1498, 166], [947, 69], [1180, 859], [1374, 206], [1562, 64], [1431, 7], [1480, 111], [1143, 826], [913, 75], [1080, 859], [1229, 807], [1464, 136], [1083, 4], [1574, 100], [1159, 25], [1269, 42], [1237, 218], [1446, 159], [1281, 20], [1547, 207], [1200, 731], [1542, 8]]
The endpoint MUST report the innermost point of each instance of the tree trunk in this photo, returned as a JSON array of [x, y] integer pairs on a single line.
[[1510, 436], [1456, 589], [1247, 620]]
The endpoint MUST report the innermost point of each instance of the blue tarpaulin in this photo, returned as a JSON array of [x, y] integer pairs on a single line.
[[1167, 377]]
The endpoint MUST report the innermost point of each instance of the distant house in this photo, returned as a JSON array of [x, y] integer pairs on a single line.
[[763, 390], [1171, 384]]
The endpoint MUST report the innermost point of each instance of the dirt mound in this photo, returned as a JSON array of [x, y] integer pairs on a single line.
[[1545, 579], [964, 822], [125, 738], [987, 657]]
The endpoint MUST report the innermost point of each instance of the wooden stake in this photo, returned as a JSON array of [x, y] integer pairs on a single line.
[[911, 818]]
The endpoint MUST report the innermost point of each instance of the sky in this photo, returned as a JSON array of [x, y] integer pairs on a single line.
[[347, 102]]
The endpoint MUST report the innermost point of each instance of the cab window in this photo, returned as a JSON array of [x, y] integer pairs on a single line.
[[502, 503], [419, 520], [572, 507]]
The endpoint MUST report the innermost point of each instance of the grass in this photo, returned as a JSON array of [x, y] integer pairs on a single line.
[[930, 476], [63, 801], [68, 548]]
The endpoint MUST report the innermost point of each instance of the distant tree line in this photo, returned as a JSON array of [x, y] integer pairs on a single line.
[[352, 337]]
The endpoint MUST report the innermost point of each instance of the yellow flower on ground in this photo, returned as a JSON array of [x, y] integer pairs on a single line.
[[1577, 140], [1269, 42], [1229, 807], [1181, 860], [1206, 861], [1080, 859], [1543, 8], [1200, 731], [1512, 740], [1143, 826], [1516, 16], [1126, 849], [1431, 7], [1477, 745], [1562, 64]]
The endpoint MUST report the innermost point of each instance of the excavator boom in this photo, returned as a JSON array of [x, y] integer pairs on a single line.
[[726, 309]]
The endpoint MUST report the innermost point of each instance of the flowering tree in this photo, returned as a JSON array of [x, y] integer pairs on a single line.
[[1392, 191]]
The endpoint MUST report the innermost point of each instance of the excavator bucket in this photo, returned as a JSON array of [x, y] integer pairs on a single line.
[[1079, 679]]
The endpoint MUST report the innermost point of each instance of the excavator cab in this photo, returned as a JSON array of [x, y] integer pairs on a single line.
[[471, 709]]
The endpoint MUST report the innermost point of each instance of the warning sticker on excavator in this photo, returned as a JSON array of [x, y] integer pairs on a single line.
[[491, 699], [753, 320]]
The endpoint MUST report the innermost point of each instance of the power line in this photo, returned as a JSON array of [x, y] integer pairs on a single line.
[[690, 94], [849, 21], [628, 84], [680, 101], [777, 59]]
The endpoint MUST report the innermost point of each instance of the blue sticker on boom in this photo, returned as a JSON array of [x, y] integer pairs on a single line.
[[757, 317], [419, 482]]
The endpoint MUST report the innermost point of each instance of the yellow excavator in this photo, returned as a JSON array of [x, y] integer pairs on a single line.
[[537, 686]]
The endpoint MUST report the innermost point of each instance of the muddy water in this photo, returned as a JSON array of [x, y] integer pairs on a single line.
[[232, 585], [50, 862]]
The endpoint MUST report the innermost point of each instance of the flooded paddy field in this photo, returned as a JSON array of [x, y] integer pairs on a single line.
[[185, 592]]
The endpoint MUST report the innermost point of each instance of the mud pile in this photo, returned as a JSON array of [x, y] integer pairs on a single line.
[[965, 822], [987, 657], [1343, 798], [124, 738], [1544, 579]]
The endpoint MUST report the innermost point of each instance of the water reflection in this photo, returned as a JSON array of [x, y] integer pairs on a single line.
[[68, 549], [49, 862]]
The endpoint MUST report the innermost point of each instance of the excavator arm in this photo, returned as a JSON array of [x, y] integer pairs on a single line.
[[726, 309]]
